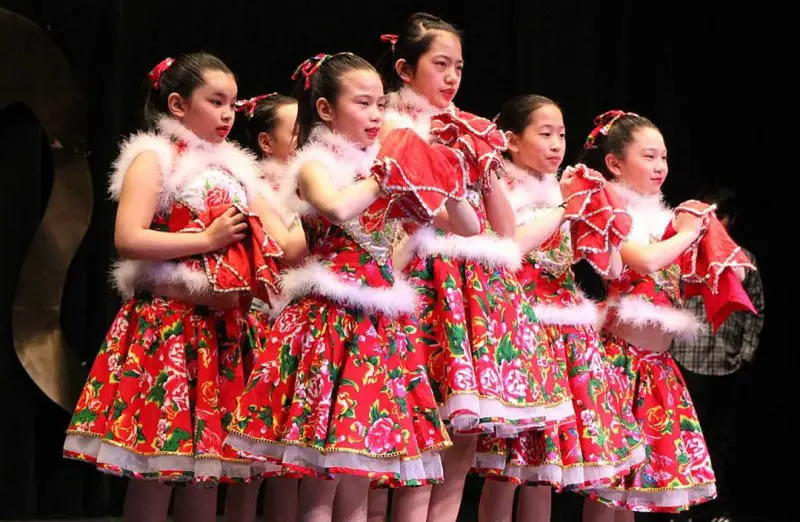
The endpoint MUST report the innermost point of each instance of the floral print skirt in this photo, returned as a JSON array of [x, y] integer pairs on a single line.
[[490, 364], [341, 391], [160, 393]]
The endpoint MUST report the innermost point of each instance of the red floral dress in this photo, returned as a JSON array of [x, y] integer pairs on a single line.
[[677, 470], [600, 442], [164, 384], [490, 364], [340, 387]]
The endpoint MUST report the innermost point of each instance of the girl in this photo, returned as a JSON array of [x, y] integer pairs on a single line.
[[270, 123], [334, 394], [166, 378], [596, 445], [644, 314], [489, 363]]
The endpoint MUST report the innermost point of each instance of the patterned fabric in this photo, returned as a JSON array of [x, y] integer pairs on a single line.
[[677, 472], [601, 443], [165, 381], [734, 343], [339, 387], [490, 363], [160, 392]]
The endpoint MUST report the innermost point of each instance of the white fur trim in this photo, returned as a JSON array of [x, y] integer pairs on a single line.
[[178, 170], [528, 190], [649, 213], [129, 275], [314, 278], [130, 149], [402, 120], [409, 110], [638, 312], [346, 161], [583, 314], [277, 188], [490, 250]]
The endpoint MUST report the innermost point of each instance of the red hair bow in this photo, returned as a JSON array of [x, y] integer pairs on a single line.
[[603, 124], [248, 107], [309, 67], [390, 39], [155, 73]]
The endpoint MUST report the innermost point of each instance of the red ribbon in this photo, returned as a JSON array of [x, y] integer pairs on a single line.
[[390, 39], [309, 67], [603, 124], [155, 73], [248, 107]]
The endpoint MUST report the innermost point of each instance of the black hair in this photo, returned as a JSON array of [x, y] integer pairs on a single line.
[[264, 118], [614, 141], [515, 115], [183, 77], [325, 82], [413, 41]]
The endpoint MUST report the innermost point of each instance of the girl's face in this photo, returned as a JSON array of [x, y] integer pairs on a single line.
[[209, 110], [644, 163], [359, 109], [541, 145], [437, 74]]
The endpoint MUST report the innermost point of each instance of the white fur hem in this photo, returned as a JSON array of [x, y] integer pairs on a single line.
[[314, 278], [486, 249], [129, 275], [640, 313], [583, 314]]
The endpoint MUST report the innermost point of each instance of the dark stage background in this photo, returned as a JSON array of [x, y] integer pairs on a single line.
[[690, 67]]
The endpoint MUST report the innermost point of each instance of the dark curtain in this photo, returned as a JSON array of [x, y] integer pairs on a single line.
[[693, 68]]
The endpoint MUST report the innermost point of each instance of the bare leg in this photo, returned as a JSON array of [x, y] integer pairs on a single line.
[[280, 499], [534, 504], [377, 504], [146, 501], [596, 512], [497, 501], [241, 501], [195, 504], [315, 502], [446, 497], [622, 515], [350, 504], [411, 504]]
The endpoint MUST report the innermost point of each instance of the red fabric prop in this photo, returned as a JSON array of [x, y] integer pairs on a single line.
[[706, 263], [244, 266], [416, 178], [598, 220], [477, 140]]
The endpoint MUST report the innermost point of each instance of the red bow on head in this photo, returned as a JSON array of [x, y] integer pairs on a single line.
[[309, 67], [603, 124], [390, 39], [248, 107], [155, 73]]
